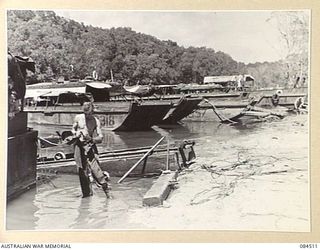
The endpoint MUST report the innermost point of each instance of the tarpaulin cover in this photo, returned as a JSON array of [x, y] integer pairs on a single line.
[[99, 85]]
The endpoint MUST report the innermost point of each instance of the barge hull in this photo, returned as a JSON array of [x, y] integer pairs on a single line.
[[184, 108], [22, 157], [143, 117], [113, 116]]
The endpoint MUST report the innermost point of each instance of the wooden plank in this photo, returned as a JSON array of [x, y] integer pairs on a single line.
[[141, 159], [117, 166], [160, 190], [111, 155]]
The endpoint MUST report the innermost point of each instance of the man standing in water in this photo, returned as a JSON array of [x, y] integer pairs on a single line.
[[87, 128]]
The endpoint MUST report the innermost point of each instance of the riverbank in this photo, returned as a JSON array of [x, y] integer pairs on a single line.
[[258, 182]]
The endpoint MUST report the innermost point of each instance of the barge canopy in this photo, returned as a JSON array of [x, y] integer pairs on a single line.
[[239, 82], [41, 90], [228, 79]]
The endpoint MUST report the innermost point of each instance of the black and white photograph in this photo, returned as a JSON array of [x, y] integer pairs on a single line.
[[158, 120]]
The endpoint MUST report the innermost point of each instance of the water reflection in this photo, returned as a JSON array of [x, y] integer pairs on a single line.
[[92, 212]]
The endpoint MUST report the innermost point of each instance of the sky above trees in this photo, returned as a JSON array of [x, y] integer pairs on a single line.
[[247, 36]]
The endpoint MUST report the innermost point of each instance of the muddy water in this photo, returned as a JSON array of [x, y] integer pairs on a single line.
[[56, 204]]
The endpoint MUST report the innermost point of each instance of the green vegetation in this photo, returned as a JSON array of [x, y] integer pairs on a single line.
[[62, 47]]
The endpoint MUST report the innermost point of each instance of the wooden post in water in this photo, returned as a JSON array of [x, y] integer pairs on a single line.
[[141, 159], [168, 160], [144, 165]]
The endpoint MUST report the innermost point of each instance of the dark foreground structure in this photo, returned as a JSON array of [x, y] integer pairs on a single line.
[[22, 142]]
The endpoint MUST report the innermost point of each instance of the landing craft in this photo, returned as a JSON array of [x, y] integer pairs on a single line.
[[59, 103]]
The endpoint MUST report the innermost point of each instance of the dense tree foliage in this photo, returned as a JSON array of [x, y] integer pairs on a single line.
[[62, 47]]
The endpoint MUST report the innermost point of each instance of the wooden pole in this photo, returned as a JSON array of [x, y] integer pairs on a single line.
[[141, 159], [168, 148]]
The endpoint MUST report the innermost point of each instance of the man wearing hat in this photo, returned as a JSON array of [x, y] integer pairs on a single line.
[[87, 128]]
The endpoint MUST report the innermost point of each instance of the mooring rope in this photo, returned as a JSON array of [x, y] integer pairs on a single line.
[[220, 116]]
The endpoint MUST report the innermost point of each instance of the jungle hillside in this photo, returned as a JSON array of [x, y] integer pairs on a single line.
[[65, 48]]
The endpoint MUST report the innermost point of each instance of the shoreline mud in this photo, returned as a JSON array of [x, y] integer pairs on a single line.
[[258, 183]]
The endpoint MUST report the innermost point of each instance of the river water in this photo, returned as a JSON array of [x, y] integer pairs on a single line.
[[56, 203]]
